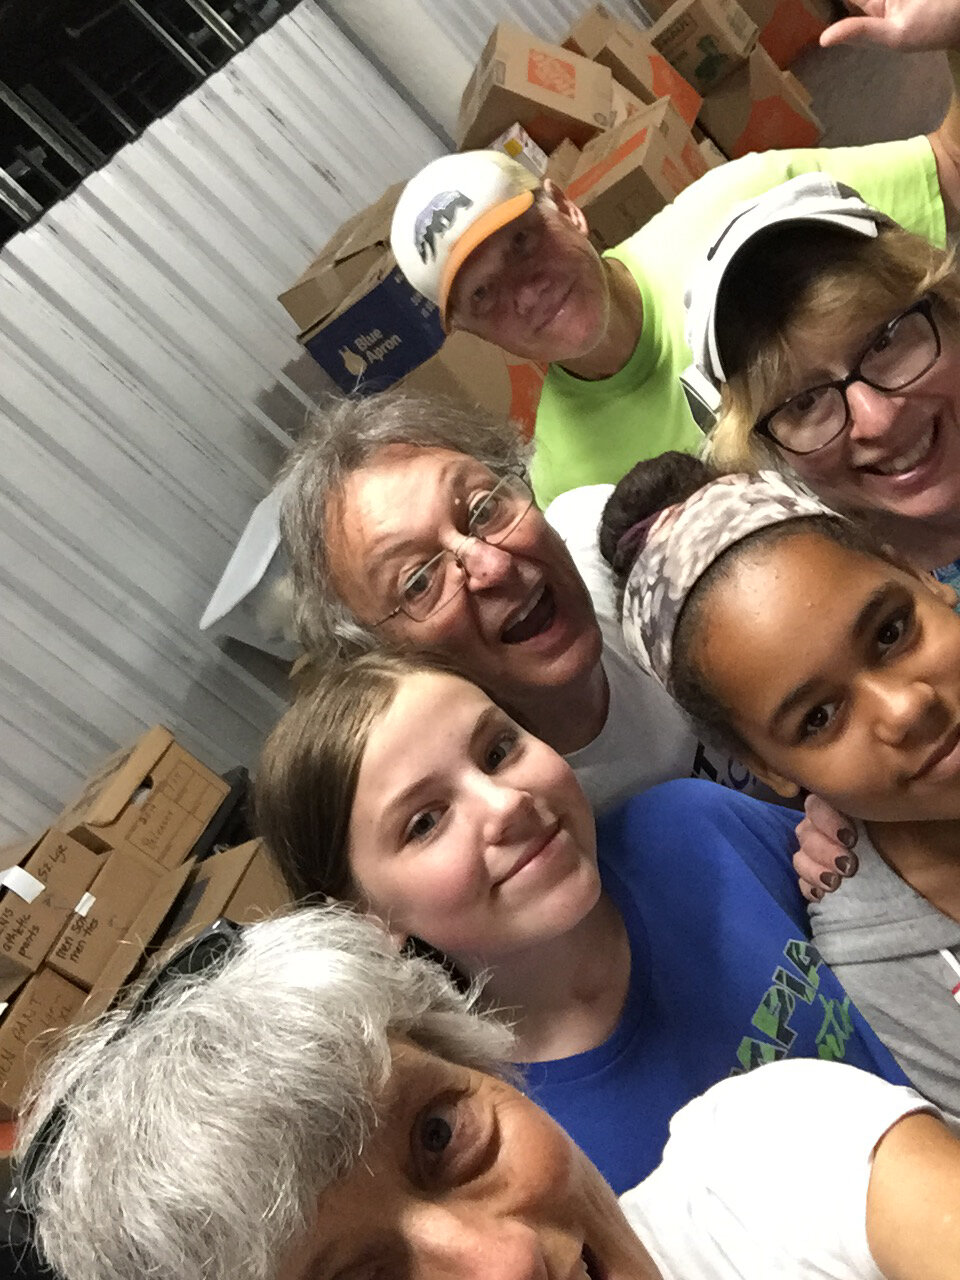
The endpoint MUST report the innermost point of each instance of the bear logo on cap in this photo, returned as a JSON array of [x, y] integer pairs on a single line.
[[437, 218]]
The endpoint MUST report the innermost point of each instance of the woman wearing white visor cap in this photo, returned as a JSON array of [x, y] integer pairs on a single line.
[[833, 336]]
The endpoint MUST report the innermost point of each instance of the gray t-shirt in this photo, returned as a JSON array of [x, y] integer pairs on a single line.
[[892, 951], [646, 738]]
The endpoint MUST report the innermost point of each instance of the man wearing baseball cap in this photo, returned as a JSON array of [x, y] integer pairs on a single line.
[[508, 258]]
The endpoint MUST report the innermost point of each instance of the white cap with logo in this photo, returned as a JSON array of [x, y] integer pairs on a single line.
[[813, 197], [450, 208]]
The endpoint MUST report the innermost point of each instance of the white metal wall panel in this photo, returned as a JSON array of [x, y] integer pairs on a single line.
[[468, 23], [150, 388]]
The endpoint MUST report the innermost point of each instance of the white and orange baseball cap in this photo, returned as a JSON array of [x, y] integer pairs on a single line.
[[451, 207]]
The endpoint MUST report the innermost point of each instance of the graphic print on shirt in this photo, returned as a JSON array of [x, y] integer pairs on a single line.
[[774, 1012]]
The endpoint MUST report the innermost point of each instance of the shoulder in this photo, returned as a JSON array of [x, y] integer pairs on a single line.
[[772, 1169], [695, 805]]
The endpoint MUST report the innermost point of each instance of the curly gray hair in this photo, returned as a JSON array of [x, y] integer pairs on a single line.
[[338, 440], [195, 1143]]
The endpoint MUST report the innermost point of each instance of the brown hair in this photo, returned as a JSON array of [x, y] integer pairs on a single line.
[[307, 777], [816, 283]]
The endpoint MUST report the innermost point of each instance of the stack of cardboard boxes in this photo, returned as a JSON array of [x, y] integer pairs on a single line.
[[622, 118], [81, 905], [734, 52]]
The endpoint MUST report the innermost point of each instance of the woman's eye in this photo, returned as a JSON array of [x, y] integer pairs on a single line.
[[447, 1141], [436, 1133], [416, 585], [422, 825], [500, 750], [817, 719], [892, 631]]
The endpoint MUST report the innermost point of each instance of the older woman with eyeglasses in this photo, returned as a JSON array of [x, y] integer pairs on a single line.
[[303, 1104], [834, 336], [410, 526]]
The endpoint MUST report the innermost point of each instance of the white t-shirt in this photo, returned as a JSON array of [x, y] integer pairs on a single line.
[[765, 1176], [646, 738]]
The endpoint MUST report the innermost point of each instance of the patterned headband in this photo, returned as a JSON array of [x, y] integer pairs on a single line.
[[683, 543]]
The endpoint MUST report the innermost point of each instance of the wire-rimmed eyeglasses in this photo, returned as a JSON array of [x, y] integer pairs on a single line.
[[493, 516]]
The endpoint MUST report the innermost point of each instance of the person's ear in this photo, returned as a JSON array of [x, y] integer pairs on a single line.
[[397, 936], [785, 787], [942, 590], [565, 206]]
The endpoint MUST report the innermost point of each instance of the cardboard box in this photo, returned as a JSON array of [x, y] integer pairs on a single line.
[[381, 332], [757, 109], [29, 1027], [633, 61], [711, 153], [147, 930], [786, 26], [471, 370], [518, 144], [43, 883], [562, 163], [242, 884], [625, 105], [705, 40], [624, 178], [342, 263], [118, 893], [154, 796], [553, 93], [664, 117]]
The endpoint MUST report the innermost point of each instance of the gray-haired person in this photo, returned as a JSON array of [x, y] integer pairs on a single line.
[[304, 1104], [410, 525]]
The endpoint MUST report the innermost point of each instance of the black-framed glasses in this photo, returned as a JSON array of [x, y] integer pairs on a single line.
[[493, 516], [904, 350], [202, 954]]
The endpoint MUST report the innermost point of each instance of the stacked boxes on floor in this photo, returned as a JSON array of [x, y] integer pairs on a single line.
[[624, 118], [81, 905]]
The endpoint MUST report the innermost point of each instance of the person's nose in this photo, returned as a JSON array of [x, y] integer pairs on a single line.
[[872, 413], [906, 712], [528, 289], [510, 812], [483, 564], [474, 1245]]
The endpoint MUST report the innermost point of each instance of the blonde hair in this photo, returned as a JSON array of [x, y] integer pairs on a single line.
[[824, 282]]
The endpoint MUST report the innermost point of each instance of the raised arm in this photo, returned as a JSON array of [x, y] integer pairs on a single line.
[[913, 1203], [914, 25]]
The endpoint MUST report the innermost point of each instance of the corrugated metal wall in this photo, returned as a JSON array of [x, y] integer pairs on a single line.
[[151, 385]]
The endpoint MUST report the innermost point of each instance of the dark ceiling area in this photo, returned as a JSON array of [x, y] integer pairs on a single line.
[[80, 78]]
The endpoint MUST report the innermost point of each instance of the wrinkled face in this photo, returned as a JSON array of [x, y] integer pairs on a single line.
[[466, 831], [537, 288], [843, 674], [524, 622], [466, 1178], [901, 450]]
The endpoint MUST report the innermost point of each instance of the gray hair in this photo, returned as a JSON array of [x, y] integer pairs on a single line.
[[338, 440], [196, 1143]]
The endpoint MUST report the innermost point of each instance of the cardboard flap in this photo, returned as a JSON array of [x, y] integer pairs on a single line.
[[115, 796]]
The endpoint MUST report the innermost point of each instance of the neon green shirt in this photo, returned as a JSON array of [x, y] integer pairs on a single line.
[[592, 432]]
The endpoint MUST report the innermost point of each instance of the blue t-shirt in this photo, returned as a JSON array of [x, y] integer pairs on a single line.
[[723, 974]]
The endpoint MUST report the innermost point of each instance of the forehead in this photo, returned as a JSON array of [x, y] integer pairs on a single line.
[[400, 494], [397, 747], [784, 612]]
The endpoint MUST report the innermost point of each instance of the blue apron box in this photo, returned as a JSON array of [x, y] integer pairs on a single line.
[[382, 331]]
